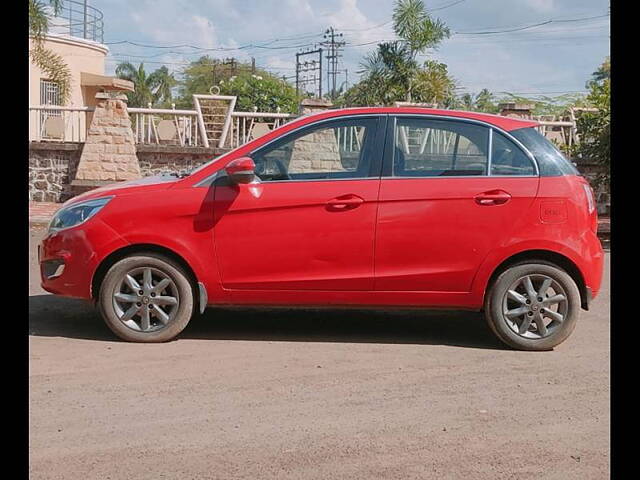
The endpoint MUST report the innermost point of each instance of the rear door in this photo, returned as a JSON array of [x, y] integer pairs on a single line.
[[309, 223], [451, 191]]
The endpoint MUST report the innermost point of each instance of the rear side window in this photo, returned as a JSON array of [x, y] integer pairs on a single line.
[[507, 158], [434, 148], [550, 161]]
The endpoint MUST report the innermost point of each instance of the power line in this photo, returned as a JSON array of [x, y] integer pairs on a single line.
[[445, 6], [526, 27]]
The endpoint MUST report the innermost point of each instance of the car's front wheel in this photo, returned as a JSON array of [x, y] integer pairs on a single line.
[[146, 298], [533, 306]]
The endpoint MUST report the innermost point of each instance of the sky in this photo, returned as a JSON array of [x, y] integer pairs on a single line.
[[553, 58]]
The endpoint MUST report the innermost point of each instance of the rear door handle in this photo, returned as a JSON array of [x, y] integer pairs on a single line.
[[492, 197], [345, 202]]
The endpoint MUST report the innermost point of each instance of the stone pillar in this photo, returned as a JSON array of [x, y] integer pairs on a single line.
[[518, 110], [314, 105], [109, 153], [319, 151]]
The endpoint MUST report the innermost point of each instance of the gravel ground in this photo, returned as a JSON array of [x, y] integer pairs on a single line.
[[312, 394]]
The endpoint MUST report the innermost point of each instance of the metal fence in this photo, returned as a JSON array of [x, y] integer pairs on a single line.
[[246, 126], [58, 124], [165, 127], [78, 19]]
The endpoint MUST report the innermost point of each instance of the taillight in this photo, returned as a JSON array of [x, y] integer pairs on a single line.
[[591, 206], [591, 203]]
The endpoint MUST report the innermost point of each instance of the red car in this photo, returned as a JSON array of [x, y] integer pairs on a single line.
[[376, 207]]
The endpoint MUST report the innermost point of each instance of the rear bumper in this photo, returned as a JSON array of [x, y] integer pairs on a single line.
[[586, 302], [592, 269]]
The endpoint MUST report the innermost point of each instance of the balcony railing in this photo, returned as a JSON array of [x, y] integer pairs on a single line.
[[158, 126], [246, 126], [78, 19], [54, 123]]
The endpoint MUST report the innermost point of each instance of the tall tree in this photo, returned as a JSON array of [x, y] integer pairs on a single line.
[[594, 127], [51, 64], [154, 88], [484, 101], [392, 73]]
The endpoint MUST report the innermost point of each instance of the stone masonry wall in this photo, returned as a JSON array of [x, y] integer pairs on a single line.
[[52, 166], [51, 171], [159, 160], [317, 152]]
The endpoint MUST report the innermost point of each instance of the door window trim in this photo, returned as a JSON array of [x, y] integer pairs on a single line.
[[389, 150]]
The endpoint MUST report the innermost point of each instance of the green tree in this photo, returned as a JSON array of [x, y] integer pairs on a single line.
[[594, 127], [154, 88], [265, 93], [548, 105], [253, 87], [484, 101], [51, 64], [392, 73]]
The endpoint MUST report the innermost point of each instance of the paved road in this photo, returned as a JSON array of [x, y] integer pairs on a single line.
[[313, 395]]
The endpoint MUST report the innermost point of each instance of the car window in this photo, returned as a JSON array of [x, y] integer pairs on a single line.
[[507, 158], [430, 148], [551, 161], [339, 149]]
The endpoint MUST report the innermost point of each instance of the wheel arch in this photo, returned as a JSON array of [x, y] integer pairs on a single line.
[[138, 248], [558, 259]]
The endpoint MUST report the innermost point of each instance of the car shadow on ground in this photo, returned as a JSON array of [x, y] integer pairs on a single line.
[[53, 316]]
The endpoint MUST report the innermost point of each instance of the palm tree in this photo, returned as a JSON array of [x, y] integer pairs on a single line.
[[51, 64], [154, 88], [393, 68]]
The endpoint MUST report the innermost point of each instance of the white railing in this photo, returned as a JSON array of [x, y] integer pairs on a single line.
[[246, 126], [54, 123], [164, 126], [560, 130]]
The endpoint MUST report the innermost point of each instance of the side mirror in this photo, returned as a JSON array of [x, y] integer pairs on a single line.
[[241, 170]]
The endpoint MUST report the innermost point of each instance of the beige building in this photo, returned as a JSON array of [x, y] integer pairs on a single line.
[[76, 34], [85, 59]]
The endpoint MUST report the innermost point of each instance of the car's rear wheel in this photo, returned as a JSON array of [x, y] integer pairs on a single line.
[[533, 306], [146, 298]]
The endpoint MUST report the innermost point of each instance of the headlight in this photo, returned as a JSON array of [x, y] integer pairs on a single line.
[[76, 214]]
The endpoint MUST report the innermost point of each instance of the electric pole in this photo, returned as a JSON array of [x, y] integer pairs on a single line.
[[333, 54], [306, 71]]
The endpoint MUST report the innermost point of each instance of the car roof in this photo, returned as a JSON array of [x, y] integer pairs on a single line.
[[499, 121]]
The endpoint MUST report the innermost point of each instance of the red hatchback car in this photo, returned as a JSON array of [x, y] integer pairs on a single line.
[[376, 207]]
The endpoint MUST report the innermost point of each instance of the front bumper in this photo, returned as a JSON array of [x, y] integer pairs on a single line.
[[69, 258]]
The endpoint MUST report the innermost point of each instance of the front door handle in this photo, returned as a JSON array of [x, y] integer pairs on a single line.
[[492, 197], [345, 202]]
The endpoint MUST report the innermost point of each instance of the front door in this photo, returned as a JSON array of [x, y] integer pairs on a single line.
[[440, 210], [309, 222]]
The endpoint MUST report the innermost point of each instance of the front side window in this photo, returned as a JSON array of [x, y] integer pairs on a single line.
[[339, 149], [434, 148], [507, 158]]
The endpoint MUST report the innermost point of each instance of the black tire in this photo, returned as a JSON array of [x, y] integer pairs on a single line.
[[499, 323], [184, 292]]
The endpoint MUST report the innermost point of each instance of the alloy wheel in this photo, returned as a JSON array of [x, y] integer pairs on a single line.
[[146, 299], [534, 306]]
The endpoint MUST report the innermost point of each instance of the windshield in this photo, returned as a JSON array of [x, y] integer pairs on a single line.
[[550, 160]]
